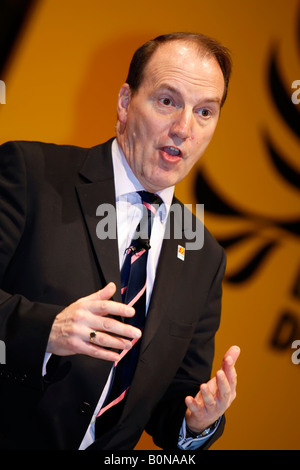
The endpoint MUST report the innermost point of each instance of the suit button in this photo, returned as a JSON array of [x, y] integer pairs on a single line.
[[84, 407]]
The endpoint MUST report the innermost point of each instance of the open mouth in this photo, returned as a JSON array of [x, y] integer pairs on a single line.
[[171, 153]]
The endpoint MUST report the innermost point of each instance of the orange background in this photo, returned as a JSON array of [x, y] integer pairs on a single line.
[[62, 83]]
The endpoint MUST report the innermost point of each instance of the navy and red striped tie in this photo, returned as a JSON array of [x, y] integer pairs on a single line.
[[133, 289]]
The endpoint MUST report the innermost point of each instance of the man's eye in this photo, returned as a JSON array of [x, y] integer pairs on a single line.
[[166, 101], [204, 112]]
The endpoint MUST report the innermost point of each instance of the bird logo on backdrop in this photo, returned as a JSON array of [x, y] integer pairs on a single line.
[[270, 231]]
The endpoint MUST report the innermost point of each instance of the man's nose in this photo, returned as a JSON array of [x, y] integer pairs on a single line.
[[182, 125]]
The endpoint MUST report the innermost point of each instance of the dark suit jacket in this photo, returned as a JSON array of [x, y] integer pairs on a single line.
[[50, 256]]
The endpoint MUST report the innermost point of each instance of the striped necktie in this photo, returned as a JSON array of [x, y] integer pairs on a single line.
[[133, 290]]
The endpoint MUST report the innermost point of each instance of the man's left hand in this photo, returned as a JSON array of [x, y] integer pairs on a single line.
[[215, 396]]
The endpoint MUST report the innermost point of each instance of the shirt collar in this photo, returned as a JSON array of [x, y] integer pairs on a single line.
[[126, 182]]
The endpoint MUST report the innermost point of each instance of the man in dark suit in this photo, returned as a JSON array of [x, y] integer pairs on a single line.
[[61, 313]]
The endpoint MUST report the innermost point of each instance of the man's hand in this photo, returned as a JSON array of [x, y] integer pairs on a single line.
[[70, 333], [215, 396]]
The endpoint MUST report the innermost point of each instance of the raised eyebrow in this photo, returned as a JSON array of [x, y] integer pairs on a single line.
[[207, 101], [166, 87]]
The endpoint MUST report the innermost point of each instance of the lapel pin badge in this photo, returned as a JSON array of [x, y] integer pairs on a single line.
[[180, 252]]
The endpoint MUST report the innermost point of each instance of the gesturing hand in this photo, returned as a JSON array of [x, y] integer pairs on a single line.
[[70, 333], [215, 396]]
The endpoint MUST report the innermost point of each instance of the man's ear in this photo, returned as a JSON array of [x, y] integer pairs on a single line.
[[123, 103]]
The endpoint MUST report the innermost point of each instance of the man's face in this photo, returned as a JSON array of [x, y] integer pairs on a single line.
[[164, 128]]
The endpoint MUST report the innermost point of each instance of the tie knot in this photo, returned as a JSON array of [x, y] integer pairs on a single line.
[[150, 199], [151, 202]]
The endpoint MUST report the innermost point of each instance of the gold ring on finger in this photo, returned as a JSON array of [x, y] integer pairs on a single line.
[[92, 336]]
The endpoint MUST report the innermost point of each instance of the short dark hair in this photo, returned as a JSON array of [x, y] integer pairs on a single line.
[[205, 43]]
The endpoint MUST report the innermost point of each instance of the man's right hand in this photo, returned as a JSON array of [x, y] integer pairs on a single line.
[[70, 333]]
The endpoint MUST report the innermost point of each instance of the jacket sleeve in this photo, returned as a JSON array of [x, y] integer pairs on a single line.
[[166, 420], [24, 325]]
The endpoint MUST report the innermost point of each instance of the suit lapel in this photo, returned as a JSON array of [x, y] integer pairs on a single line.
[[98, 189]]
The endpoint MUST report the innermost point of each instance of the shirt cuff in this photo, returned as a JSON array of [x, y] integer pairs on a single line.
[[190, 443]]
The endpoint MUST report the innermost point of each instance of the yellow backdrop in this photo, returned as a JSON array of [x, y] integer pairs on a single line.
[[62, 83]]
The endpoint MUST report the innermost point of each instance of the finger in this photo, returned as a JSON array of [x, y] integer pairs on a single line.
[[230, 372], [104, 340], [229, 362], [106, 307], [233, 352], [99, 303], [208, 398], [224, 394], [193, 405], [99, 352], [103, 294], [112, 326]]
